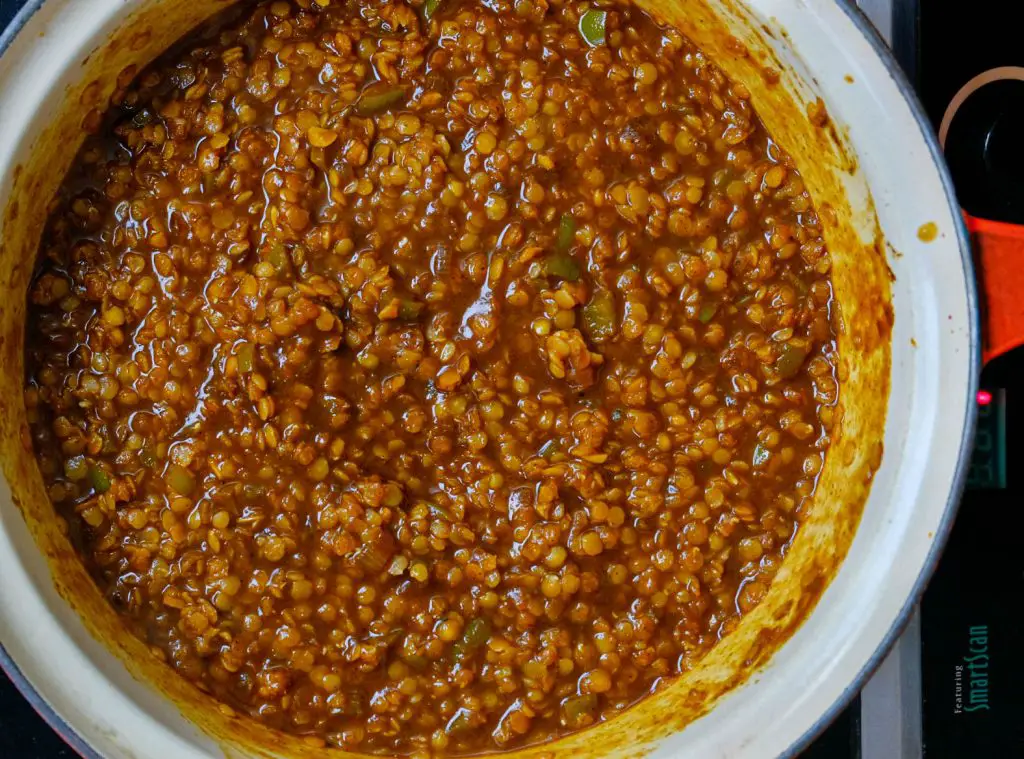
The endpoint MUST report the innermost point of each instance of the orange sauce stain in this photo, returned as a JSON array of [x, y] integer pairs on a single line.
[[927, 232]]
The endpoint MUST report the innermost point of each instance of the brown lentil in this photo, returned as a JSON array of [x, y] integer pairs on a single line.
[[432, 385]]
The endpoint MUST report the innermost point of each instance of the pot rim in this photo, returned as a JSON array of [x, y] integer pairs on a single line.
[[41, 707], [886, 56]]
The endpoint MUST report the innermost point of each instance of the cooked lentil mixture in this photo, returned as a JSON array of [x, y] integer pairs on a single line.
[[432, 378]]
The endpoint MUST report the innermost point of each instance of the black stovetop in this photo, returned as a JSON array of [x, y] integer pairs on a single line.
[[975, 599]]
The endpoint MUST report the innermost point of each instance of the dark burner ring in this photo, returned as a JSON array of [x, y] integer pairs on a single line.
[[984, 146]]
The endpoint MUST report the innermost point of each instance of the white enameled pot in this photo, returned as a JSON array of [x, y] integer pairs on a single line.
[[830, 93]]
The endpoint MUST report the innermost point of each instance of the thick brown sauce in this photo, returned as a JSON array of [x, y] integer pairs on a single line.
[[432, 387]]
